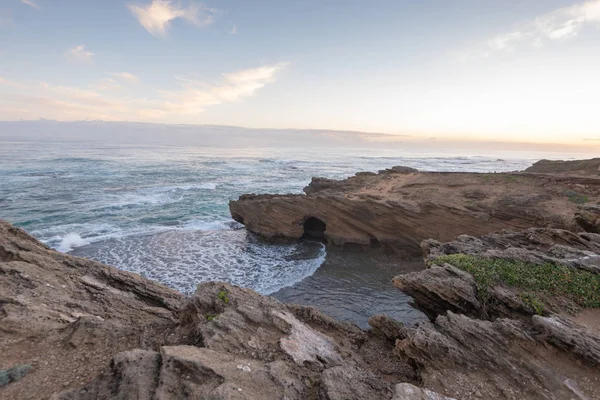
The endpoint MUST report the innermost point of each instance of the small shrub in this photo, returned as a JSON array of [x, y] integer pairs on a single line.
[[210, 317], [223, 296], [532, 301], [575, 197], [14, 374]]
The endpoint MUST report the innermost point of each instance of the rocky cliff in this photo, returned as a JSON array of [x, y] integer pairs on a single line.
[[400, 207], [77, 329], [518, 312]]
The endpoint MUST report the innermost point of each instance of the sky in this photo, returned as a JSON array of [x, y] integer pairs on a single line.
[[525, 71]]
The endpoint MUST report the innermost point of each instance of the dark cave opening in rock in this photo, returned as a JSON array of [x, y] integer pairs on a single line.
[[314, 229]]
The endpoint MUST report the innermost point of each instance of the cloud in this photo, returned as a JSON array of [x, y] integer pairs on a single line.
[[106, 84], [560, 24], [80, 54], [105, 100], [233, 30], [31, 3], [196, 96], [157, 16], [125, 77]]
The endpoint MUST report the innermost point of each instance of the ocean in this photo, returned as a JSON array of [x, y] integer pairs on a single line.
[[162, 212]]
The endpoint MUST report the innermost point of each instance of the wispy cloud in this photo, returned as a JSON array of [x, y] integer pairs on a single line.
[[233, 30], [560, 24], [105, 100], [157, 16], [80, 54], [31, 3], [126, 77], [196, 96], [106, 84]]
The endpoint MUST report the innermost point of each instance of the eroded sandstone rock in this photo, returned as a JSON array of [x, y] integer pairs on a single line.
[[398, 208]]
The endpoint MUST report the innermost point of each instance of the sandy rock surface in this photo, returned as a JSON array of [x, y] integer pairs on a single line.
[[399, 207]]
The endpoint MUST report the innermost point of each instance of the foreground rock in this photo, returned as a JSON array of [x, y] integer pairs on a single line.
[[88, 331], [489, 340], [77, 329], [400, 207], [67, 316]]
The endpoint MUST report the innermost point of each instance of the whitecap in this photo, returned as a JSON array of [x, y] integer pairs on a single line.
[[71, 241], [219, 225]]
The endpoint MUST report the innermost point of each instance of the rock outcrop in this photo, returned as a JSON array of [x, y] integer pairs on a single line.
[[583, 167], [67, 316], [400, 207], [489, 341], [88, 331], [76, 329]]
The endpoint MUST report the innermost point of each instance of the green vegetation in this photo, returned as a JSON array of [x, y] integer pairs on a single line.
[[487, 177], [510, 179], [223, 296], [210, 317], [13, 374], [575, 197], [532, 301], [545, 280]]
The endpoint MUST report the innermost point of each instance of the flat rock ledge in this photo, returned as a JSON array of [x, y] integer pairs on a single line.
[[398, 208]]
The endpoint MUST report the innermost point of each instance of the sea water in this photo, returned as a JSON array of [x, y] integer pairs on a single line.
[[162, 212]]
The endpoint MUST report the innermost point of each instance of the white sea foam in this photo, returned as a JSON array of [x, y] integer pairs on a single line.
[[184, 258], [71, 241], [210, 186], [218, 225]]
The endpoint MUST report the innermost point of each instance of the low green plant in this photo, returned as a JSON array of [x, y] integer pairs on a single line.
[[511, 179], [14, 374], [532, 301], [487, 177], [546, 279], [210, 317], [223, 296], [576, 198]]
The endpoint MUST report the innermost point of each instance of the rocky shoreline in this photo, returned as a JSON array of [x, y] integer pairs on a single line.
[[511, 289], [398, 208]]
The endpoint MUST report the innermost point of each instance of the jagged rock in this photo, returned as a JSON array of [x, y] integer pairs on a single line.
[[351, 383], [241, 344], [534, 245], [226, 342], [588, 218], [561, 332], [406, 391], [318, 184], [514, 354], [591, 166], [398, 208], [470, 358], [132, 375], [442, 288], [67, 316], [399, 169]]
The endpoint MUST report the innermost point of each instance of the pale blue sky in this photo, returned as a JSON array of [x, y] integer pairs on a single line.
[[512, 70]]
